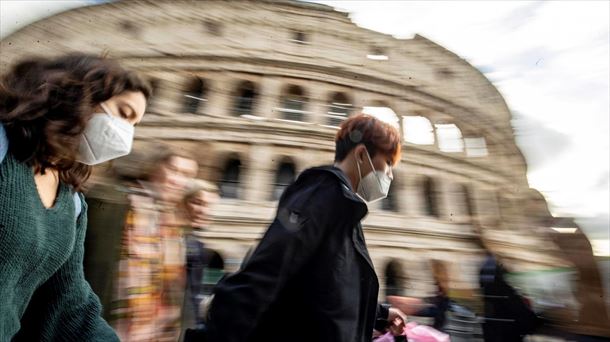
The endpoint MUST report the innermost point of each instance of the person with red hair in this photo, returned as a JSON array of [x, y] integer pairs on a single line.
[[311, 277], [365, 144]]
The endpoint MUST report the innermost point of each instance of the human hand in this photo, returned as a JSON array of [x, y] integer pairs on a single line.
[[396, 320]]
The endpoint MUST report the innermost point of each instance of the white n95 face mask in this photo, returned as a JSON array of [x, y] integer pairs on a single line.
[[374, 186], [105, 137]]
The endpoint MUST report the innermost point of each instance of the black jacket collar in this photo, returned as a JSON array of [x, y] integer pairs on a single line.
[[348, 191]]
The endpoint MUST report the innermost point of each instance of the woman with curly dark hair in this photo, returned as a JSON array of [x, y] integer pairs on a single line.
[[57, 118]]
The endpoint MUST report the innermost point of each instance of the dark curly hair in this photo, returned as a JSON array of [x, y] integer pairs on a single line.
[[45, 104]]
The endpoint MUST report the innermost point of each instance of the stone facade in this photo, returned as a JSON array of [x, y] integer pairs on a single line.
[[227, 75]]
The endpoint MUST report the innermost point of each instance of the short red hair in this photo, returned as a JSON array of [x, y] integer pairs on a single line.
[[376, 135]]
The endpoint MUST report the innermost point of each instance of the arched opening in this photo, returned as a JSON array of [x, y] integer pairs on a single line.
[[467, 200], [460, 198], [449, 138], [299, 37], [214, 259], [418, 130], [245, 98], [390, 203], [393, 278], [195, 95], [284, 176], [214, 28], [293, 103], [213, 270], [339, 108], [377, 53], [430, 197], [229, 181]]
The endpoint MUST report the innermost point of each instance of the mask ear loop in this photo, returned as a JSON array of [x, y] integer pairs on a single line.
[[359, 172], [373, 168], [105, 108], [358, 166]]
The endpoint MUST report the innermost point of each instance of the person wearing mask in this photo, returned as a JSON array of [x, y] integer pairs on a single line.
[[311, 278], [148, 286], [58, 116]]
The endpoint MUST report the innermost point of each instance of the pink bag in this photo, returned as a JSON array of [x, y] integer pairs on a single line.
[[418, 333]]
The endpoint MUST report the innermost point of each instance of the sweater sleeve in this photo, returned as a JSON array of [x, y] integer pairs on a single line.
[[64, 308]]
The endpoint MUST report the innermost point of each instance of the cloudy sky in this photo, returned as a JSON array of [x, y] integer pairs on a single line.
[[550, 60]]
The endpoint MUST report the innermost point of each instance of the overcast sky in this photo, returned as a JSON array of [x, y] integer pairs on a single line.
[[550, 60]]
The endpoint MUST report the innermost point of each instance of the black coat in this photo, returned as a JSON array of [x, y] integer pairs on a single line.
[[310, 278]]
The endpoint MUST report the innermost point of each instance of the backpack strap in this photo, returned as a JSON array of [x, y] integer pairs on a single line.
[[78, 205], [3, 143]]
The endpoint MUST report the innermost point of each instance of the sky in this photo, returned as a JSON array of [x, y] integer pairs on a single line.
[[549, 59], [551, 62]]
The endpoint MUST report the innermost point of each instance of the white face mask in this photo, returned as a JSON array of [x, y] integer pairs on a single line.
[[375, 185], [105, 137]]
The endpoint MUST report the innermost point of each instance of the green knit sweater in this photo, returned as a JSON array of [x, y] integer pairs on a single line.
[[43, 293]]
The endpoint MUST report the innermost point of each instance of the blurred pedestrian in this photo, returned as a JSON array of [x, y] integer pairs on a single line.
[[58, 116], [439, 303], [197, 200], [508, 316], [435, 306], [150, 280], [311, 278]]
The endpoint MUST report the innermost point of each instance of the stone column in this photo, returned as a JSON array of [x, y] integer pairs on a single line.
[[452, 211], [317, 106], [486, 206], [412, 195], [269, 97], [171, 94], [157, 104], [220, 96], [446, 209], [258, 177]]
